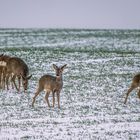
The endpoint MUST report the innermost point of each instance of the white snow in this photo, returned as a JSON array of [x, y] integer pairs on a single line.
[[92, 99]]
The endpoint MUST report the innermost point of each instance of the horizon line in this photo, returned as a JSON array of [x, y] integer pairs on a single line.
[[70, 28]]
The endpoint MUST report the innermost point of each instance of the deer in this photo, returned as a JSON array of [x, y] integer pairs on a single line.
[[1, 75], [3, 69], [18, 68], [135, 84], [49, 84]]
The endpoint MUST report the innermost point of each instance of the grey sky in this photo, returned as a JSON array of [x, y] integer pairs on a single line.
[[123, 14]]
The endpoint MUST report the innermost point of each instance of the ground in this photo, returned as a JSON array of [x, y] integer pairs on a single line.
[[92, 99]]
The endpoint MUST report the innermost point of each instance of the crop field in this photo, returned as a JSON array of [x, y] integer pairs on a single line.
[[100, 68]]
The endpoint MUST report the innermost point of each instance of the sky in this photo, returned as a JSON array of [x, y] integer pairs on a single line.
[[93, 14]]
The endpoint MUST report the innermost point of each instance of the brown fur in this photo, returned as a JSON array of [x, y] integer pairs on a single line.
[[135, 84], [3, 69], [18, 68], [50, 84]]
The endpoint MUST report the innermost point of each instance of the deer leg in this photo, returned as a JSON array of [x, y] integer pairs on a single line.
[[4, 79], [53, 98], [19, 82], [46, 97], [7, 81], [14, 82], [11, 82], [139, 93], [0, 79], [58, 99], [36, 94], [128, 92]]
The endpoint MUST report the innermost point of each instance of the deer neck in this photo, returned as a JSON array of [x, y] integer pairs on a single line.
[[59, 82], [59, 78], [24, 71]]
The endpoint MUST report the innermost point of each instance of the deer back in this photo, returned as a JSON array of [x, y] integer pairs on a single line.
[[17, 66], [136, 80], [50, 83]]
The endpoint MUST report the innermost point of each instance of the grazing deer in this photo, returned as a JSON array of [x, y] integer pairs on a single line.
[[18, 68], [3, 69], [135, 84], [52, 84]]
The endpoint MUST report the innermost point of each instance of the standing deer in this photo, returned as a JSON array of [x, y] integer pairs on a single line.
[[1, 76], [52, 84], [18, 68], [1, 71], [135, 84]]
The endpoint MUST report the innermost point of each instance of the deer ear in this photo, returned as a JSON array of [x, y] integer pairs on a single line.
[[29, 77], [55, 67], [63, 67]]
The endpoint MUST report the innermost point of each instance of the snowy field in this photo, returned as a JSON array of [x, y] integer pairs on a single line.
[[101, 64]]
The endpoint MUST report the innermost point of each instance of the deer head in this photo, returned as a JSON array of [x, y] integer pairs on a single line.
[[25, 82], [59, 70]]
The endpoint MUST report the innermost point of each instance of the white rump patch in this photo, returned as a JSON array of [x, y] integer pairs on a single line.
[[45, 90], [3, 63], [12, 74]]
